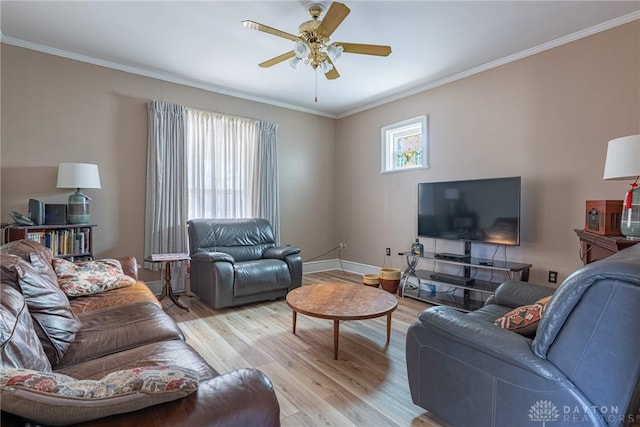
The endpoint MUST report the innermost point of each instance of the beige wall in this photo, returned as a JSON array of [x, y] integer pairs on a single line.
[[546, 118], [59, 110]]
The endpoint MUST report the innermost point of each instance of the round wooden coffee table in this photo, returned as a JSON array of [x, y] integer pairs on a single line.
[[337, 301]]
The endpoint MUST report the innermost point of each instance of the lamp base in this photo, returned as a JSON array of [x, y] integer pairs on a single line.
[[630, 223], [78, 211]]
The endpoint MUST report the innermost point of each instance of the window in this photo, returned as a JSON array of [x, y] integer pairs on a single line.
[[231, 168], [203, 164], [405, 145], [221, 160]]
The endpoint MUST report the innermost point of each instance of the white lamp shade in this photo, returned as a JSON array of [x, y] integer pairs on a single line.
[[334, 52], [294, 62], [301, 49], [78, 175], [326, 66], [623, 158]]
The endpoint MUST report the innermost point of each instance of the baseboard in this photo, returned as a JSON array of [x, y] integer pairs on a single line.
[[336, 264], [307, 267]]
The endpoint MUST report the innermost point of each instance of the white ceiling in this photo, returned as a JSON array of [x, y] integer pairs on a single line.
[[203, 43]]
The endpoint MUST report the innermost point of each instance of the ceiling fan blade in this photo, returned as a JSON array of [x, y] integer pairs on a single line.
[[334, 17], [332, 74], [266, 29], [365, 49], [278, 59]]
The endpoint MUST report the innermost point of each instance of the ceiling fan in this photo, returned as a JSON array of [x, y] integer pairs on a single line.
[[313, 44]]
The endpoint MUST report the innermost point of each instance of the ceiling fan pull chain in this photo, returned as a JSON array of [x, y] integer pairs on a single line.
[[316, 97]]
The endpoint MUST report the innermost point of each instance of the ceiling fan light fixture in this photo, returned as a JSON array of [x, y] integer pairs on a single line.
[[334, 52], [312, 44], [301, 49], [294, 62]]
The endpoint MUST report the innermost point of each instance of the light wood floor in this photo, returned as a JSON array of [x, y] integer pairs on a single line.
[[366, 386]]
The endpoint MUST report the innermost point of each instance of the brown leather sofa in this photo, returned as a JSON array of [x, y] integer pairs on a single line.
[[119, 329]]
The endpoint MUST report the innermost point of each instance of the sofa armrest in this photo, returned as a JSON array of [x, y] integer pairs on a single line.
[[211, 257], [290, 255], [515, 293], [212, 278], [488, 339], [244, 397], [280, 252], [129, 266]]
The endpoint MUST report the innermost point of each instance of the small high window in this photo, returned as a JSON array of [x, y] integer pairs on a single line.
[[405, 145]]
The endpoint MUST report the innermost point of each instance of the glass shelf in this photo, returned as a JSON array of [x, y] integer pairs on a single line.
[[464, 302], [475, 262]]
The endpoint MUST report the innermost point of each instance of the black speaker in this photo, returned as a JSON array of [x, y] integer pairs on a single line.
[[36, 211], [55, 214]]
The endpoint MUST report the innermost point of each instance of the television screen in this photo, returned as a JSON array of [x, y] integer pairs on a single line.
[[480, 210]]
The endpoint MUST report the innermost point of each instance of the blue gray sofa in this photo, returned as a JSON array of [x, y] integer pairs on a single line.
[[582, 368], [236, 261]]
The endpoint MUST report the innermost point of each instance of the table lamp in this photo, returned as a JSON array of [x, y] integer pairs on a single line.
[[78, 175], [623, 162]]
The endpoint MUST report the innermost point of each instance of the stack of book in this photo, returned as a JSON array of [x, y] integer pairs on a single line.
[[68, 242]]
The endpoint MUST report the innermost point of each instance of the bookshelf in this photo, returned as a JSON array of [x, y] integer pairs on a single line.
[[72, 241]]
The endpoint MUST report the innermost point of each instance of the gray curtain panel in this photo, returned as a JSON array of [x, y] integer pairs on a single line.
[[166, 203], [266, 196]]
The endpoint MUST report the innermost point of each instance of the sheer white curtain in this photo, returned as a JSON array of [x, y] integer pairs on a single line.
[[165, 209], [231, 168], [221, 153]]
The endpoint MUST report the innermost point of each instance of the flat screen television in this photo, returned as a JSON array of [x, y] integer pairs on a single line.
[[479, 210]]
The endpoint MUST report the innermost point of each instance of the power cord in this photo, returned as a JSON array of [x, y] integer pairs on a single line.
[[6, 229], [323, 254], [590, 246], [338, 248], [493, 258]]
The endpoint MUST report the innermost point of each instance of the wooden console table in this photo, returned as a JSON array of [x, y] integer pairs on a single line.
[[594, 247]]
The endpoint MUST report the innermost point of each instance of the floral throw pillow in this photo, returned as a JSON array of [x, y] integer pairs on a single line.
[[56, 399], [90, 277]]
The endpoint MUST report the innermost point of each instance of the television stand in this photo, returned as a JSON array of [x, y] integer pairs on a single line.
[[429, 281]]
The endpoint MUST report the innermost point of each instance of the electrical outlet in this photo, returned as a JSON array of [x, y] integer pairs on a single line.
[[388, 251], [553, 277], [342, 246]]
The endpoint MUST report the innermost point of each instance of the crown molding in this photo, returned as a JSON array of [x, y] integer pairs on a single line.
[[158, 75], [172, 78], [625, 19]]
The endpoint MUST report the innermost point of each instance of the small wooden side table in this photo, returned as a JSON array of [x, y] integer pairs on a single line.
[[594, 247], [166, 260]]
